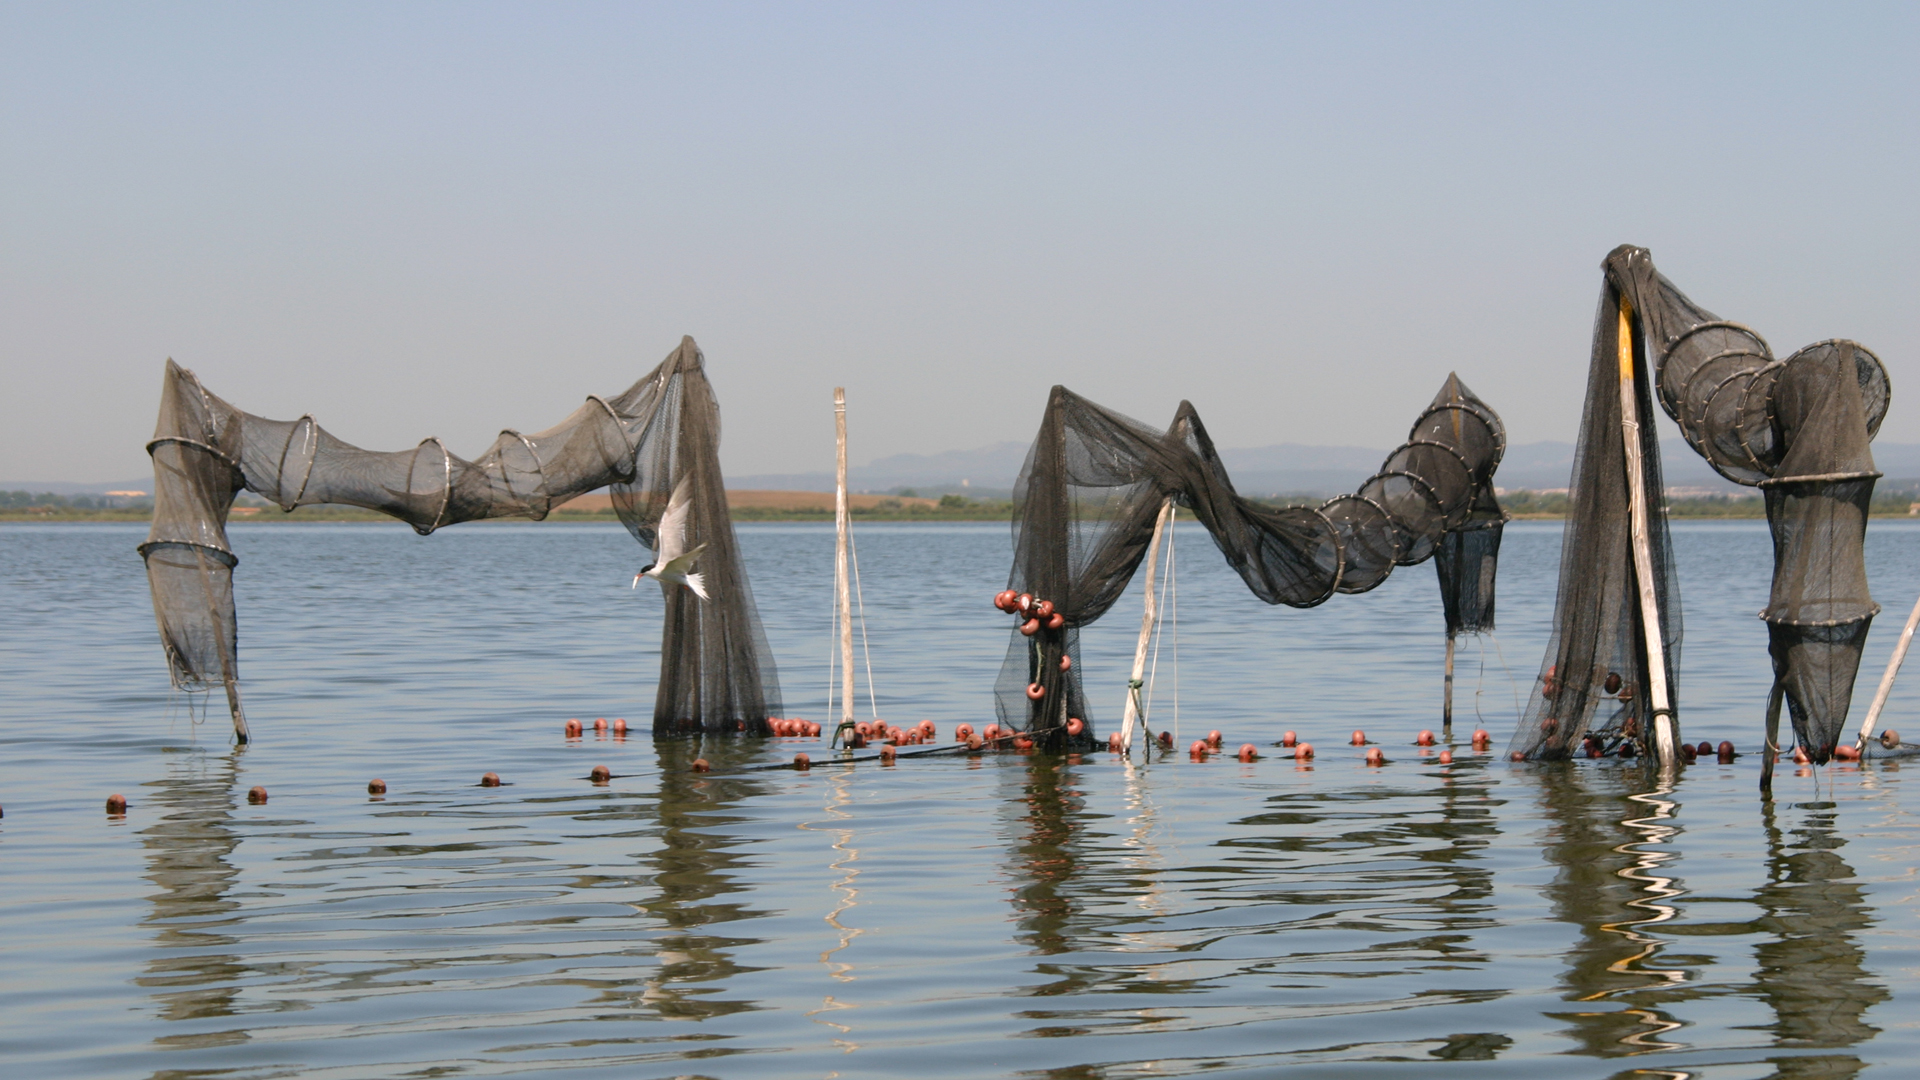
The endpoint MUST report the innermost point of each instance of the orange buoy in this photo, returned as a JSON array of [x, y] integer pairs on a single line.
[[1289, 739], [1043, 609], [992, 732], [802, 762], [700, 765], [1688, 754], [600, 724], [974, 742], [1303, 752], [1725, 751], [1516, 756], [1375, 756], [1446, 757], [1004, 601], [1595, 750], [963, 732], [1113, 742], [1704, 749], [1214, 739], [1021, 742], [862, 728], [1056, 620], [376, 786], [620, 726], [1248, 752], [1846, 753], [1481, 740], [1066, 662], [490, 780], [573, 729], [856, 741], [1800, 756], [1030, 627], [813, 728], [600, 774], [1075, 725], [927, 727], [116, 804], [1035, 691], [886, 754], [1166, 740], [1359, 737], [256, 795], [1198, 749], [1023, 603], [1425, 738]]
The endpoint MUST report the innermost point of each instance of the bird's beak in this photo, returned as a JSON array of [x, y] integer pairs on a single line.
[[636, 582]]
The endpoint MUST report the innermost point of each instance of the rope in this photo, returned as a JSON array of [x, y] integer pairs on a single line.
[[853, 552], [1173, 590], [1159, 617]]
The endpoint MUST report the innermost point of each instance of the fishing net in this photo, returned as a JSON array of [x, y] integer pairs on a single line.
[[716, 672], [1093, 486], [1798, 429]]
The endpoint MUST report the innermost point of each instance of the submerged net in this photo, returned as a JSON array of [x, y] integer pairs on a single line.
[[1093, 486], [716, 672], [1798, 429]]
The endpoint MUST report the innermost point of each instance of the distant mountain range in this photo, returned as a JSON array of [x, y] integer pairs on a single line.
[[1281, 469]]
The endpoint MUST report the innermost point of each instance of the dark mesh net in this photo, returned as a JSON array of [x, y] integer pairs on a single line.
[[1797, 428], [1093, 486], [716, 672]]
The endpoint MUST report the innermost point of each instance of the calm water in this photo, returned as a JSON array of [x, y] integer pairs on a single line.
[[1004, 916]]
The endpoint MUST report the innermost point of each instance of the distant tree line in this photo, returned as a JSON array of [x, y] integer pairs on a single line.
[[27, 500]]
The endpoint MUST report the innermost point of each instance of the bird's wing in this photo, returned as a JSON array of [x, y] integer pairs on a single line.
[[681, 564], [698, 584], [671, 536]]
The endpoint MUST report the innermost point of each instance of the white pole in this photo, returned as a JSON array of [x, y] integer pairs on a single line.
[[1662, 716], [1147, 615], [1886, 681], [841, 582]]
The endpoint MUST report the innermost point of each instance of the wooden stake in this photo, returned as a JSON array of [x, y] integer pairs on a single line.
[[1147, 615], [842, 579], [1886, 681], [1773, 738], [1446, 701], [1664, 742]]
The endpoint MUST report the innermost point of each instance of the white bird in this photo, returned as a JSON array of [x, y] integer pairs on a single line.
[[670, 565]]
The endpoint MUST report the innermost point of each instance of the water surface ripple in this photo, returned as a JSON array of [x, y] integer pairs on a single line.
[[962, 917]]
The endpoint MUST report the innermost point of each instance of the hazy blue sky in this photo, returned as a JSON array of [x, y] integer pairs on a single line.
[[446, 219]]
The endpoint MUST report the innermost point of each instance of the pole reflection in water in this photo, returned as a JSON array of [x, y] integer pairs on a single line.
[[694, 870], [1812, 972], [1610, 828], [847, 892], [197, 974]]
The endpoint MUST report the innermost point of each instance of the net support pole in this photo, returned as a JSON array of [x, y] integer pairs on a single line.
[[1446, 699], [1665, 744], [1886, 681], [842, 579], [1148, 614]]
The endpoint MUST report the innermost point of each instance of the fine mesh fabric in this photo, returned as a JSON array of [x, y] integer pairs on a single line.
[[1093, 485], [716, 672], [1798, 429]]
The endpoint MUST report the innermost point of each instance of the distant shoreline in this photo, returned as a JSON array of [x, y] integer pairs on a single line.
[[331, 515]]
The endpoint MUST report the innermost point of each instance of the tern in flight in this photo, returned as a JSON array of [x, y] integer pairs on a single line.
[[670, 565]]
